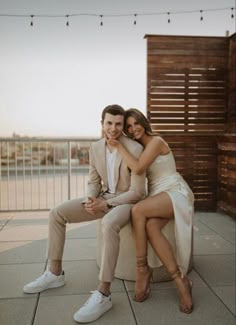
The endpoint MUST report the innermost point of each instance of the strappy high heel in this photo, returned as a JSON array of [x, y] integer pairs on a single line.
[[142, 267], [184, 308]]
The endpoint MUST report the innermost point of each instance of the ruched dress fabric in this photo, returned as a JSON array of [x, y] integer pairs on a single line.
[[163, 177]]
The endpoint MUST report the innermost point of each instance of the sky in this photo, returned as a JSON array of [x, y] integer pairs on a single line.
[[56, 79]]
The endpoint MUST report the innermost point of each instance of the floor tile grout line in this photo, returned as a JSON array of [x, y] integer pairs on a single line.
[[130, 304], [35, 309], [209, 287], [8, 220], [216, 232], [37, 302]]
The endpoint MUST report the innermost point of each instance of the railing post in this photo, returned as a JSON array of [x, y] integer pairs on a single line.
[[69, 169]]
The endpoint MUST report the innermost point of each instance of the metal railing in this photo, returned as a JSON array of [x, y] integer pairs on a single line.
[[39, 173]]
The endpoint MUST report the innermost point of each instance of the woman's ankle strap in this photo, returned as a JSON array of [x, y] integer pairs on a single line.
[[141, 261], [176, 274]]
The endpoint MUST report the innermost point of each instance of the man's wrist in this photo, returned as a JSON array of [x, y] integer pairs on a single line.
[[109, 206]]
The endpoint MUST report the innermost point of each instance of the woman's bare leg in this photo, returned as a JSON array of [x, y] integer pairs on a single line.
[[149, 217], [157, 206], [141, 212], [143, 272], [165, 253], [160, 243]]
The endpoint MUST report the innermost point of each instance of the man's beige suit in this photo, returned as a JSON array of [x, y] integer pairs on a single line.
[[130, 188]]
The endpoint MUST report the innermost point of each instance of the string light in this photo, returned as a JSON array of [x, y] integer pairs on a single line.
[[32, 22], [123, 15], [67, 22], [168, 15], [201, 18], [232, 13]]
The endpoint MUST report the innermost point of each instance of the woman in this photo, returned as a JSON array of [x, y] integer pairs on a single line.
[[169, 197]]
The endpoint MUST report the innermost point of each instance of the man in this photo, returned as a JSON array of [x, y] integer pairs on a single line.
[[112, 189]]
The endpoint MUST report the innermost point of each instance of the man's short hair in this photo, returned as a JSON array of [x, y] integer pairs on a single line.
[[113, 110]]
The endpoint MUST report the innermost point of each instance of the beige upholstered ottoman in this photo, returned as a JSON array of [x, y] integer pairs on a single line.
[[126, 263]]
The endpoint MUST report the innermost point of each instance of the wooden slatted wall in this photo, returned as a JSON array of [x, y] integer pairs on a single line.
[[187, 87], [227, 174], [231, 116], [196, 160], [187, 83], [227, 144]]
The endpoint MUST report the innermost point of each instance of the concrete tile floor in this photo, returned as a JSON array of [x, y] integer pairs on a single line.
[[23, 241]]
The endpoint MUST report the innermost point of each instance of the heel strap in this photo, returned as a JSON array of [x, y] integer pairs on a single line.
[[141, 261], [176, 274]]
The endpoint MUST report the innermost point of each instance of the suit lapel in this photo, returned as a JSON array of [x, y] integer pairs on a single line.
[[103, 163], [118, 162], [117, 167]]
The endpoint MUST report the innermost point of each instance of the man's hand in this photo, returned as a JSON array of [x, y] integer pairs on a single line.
[[94, 205], [113, 143]]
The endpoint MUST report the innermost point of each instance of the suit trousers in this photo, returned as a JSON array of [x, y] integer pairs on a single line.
[[73, 212]]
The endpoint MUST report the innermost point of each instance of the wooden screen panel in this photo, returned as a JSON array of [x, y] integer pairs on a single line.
[[227, 174], [231, 121], [227, 143], [196, 161], [187, 83]]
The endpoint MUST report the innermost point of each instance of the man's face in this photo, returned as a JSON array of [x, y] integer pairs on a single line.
[[112, 126]]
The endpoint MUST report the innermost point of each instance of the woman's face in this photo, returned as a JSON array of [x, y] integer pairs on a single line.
[[135, 130]]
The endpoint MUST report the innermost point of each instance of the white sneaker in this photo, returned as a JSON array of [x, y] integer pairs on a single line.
[[46, 281], [94, 308]]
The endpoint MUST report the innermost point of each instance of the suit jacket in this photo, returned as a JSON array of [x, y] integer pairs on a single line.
[[129, 187]]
